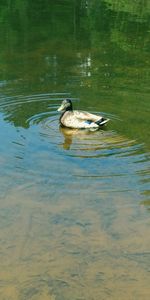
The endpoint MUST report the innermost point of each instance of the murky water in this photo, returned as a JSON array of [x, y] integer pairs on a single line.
[[74, 204]]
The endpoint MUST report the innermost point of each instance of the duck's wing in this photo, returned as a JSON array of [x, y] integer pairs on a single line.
[[86, 116], [91, 119], [78, 119], [81, 119]]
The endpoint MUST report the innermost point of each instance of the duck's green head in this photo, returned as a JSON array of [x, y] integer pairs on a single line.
[[66, 105]]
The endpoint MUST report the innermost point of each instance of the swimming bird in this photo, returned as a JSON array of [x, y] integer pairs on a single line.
[[78, 119]]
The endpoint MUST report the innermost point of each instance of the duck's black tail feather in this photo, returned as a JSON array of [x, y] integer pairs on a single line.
[[102, 121]]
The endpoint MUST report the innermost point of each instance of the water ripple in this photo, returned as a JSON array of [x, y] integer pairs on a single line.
[[80, 143], [91, 156]]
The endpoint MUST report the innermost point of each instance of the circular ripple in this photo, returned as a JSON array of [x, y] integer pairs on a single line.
[[80, 143], [88, 154], [41, 111]]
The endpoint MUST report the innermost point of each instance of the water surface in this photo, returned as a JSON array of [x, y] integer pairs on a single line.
[[74, 205]]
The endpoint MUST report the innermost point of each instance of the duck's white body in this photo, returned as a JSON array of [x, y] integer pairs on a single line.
[[79, 119]]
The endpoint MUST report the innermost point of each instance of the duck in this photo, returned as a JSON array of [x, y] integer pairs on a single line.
[[77, 119]]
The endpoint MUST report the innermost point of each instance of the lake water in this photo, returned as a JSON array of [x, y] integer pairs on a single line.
[[74, 205]]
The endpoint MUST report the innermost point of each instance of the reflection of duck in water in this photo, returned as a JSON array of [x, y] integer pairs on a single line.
[[93, 141], [79, 119], [71, 134], [68, 136]]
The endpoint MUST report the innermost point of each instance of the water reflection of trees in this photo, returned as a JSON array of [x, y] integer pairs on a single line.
[[36, 34], [66, 45]]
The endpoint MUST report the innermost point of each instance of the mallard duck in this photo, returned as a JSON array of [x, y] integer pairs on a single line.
[[79, 119]]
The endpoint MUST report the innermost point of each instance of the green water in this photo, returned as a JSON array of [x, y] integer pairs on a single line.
[[74, 205]]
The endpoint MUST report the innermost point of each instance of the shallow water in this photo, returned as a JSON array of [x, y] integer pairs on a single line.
[[74, 204]]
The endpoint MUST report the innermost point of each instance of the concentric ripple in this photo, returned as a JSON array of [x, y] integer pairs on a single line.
[[40, 110], [80, 143], [39, 114]]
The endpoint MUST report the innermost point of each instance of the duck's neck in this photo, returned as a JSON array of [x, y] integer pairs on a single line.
[[69, 108]]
